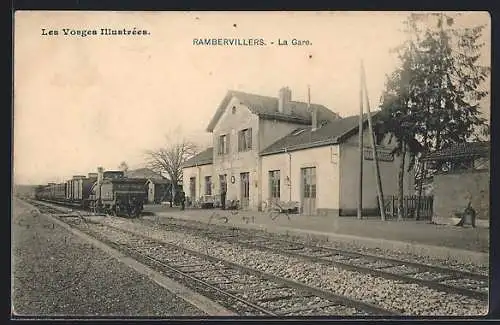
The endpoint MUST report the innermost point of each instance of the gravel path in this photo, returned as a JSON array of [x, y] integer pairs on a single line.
[[409, 299], [55, 273]]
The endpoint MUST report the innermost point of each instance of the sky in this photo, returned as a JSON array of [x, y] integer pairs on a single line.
[[83, 102]]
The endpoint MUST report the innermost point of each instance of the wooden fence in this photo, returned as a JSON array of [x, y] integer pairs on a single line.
[[409, 206]]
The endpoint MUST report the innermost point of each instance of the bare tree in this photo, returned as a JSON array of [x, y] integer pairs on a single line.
[[123, 166], [170, 159]]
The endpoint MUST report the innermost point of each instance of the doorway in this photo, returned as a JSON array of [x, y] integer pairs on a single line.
[[245, 189], [192, 188], [308, 190]]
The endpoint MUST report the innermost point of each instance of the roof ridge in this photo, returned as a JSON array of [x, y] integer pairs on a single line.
[[330, 133], [273, 97]]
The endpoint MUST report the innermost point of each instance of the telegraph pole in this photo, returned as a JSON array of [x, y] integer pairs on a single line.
[[310, 111], [360, 145], [375, 159]]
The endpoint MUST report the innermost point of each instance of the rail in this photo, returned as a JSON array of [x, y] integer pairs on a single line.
[[225, 268], [434, 277]]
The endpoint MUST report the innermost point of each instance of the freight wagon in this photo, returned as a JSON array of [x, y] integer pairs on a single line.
[[78, 190], [105, 191], [51, 191]]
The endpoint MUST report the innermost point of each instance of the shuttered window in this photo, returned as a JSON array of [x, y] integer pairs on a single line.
[[223, 147], [245, 140]]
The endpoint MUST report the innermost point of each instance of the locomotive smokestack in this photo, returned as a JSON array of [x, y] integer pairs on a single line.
[[100, 173]]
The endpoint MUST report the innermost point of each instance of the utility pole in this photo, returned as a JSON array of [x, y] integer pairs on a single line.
[[309, 109], [360, 145], [375, 159]]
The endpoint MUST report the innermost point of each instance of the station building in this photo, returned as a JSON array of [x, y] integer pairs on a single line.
[[269, 149], [157, 187]]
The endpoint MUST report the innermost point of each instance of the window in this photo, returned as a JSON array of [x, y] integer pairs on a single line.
[[208, 185], [223, 144], [245, 140], [233, 110], [274, 184]]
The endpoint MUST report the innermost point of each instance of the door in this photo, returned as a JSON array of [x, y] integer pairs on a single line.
[[274, 186], [208, 185], [222, 183], [222, 187], [308, 189], [151, 192], [245, 189], [192, 189]]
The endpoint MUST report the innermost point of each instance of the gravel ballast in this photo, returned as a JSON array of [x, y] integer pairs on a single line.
[[447, 262], [409, 299], [55, 273]]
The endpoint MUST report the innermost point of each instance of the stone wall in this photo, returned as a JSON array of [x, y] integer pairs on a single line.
[[452, 190]]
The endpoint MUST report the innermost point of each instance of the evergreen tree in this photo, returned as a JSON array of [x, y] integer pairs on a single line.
[[432, 99]]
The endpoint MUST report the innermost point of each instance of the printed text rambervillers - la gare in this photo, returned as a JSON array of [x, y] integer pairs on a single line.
[[95, 32]]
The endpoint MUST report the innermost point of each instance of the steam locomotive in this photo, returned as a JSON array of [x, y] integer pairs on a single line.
[[102, 192]]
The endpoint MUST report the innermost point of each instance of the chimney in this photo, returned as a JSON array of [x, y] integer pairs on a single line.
[[314, 111], [284, 99]]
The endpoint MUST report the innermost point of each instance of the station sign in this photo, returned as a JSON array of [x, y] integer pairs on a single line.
[[382, 154]]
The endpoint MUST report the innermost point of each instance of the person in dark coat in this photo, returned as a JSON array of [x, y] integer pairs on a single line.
[[223, 198], [183, 199], [468, 216]]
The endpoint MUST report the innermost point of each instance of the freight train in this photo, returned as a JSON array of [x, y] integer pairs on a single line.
[[102, 192]]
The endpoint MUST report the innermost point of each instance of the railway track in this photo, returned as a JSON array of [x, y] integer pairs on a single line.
[[435, 277], [59, 209], [244, 290], [45, 203]]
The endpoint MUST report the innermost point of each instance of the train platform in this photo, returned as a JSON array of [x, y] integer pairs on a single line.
[[415, 237]]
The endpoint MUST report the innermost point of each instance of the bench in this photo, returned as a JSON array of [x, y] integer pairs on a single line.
[[285, 206], [204, 202], [275, 208]]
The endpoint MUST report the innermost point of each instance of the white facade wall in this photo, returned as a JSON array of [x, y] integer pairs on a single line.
[[199, 172], [325, 159], [337, 166], [264, 133], [234, 163], [349, 175]]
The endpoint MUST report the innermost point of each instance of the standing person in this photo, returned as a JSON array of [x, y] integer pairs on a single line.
[[183, 199], [223, 197]]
